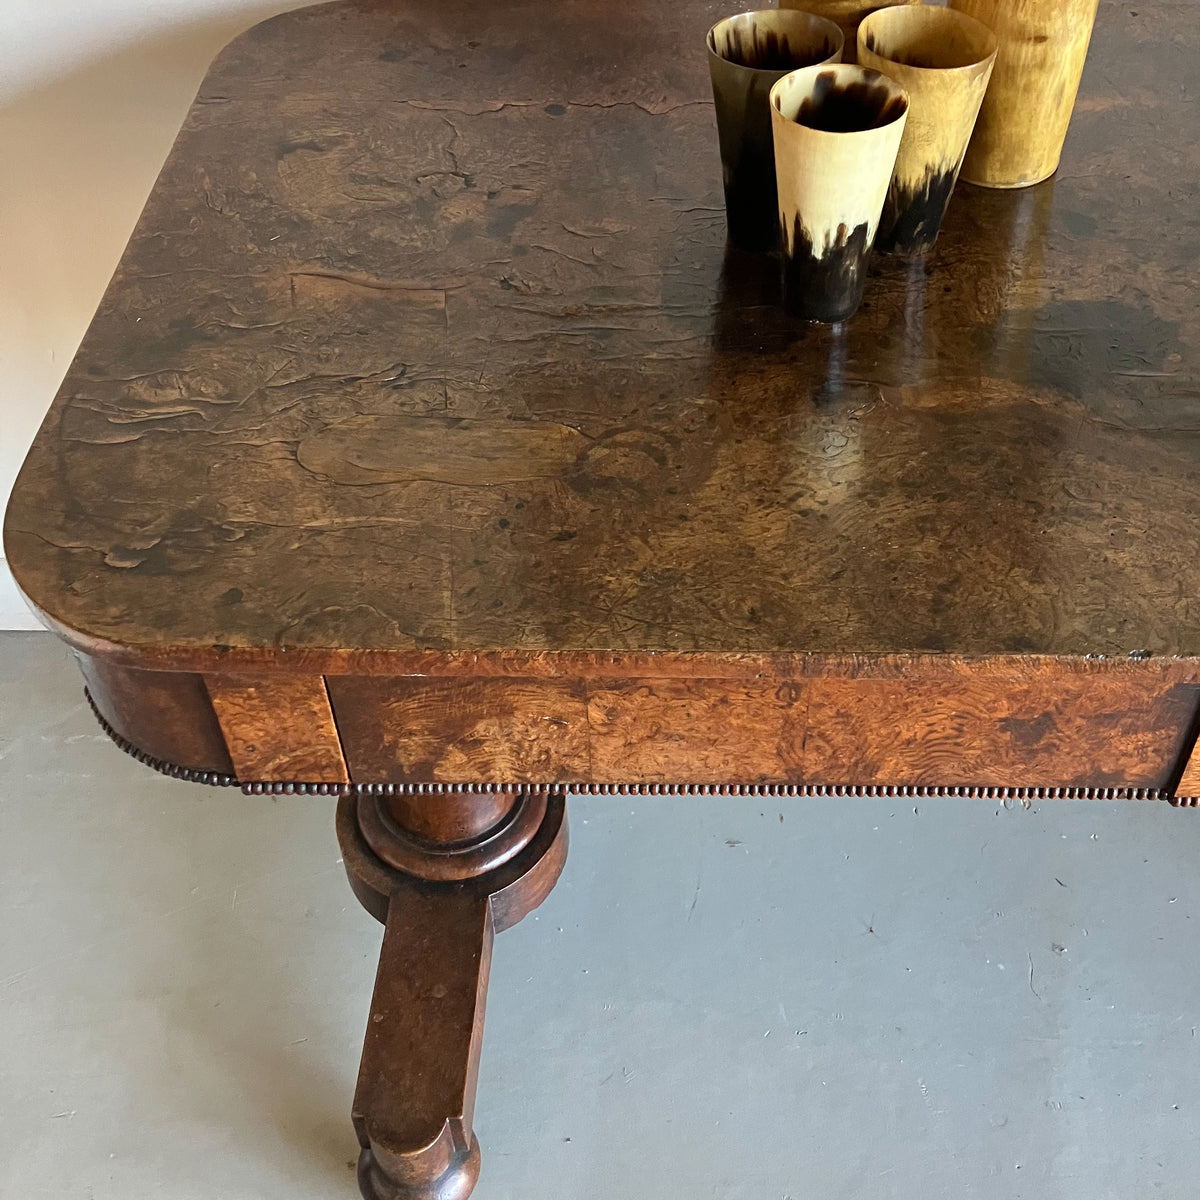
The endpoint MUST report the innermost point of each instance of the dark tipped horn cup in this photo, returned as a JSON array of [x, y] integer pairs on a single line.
[[943, 59], [747, 55], [837, 130]]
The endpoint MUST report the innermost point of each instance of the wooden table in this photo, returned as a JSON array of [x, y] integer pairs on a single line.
[[428, 450]]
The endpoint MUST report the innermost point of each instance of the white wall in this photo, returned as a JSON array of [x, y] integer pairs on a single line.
[[91, 95]]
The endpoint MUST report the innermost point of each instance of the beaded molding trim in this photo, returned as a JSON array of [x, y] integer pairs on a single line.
[[212, 778], [809, 791]]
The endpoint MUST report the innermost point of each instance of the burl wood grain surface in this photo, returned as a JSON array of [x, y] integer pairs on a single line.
[[1032, 727], [427, 359], [278, 726]]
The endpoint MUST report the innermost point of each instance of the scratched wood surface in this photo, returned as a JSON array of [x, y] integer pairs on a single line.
[[427, 358]]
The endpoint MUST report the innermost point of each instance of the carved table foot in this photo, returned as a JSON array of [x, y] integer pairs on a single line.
[[443, 872]]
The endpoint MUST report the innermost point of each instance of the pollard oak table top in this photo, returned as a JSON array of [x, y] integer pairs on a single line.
[[428, 361], [427, 340]]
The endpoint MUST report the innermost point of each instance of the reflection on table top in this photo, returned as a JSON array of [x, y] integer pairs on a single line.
[[428, 340]]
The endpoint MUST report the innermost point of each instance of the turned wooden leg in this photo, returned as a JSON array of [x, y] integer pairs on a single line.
[[443, 872]]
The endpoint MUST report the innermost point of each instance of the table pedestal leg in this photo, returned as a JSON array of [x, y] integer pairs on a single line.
[[443, 872]]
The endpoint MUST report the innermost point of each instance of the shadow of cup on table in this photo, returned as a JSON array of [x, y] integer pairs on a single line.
[[747, 55], [837, 130], [944, 60]]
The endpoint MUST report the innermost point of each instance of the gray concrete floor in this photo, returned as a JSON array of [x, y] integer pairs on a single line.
[[723, 998]]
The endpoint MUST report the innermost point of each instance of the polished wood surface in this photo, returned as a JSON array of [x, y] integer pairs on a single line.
[[428, 362], [407, 395], [415, 1098], [1189, 780], [397, 245], [278, 726], [1040, 730], [166, 715]]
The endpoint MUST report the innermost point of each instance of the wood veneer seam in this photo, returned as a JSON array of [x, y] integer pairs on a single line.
[[1191, 741], [780, 790]]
